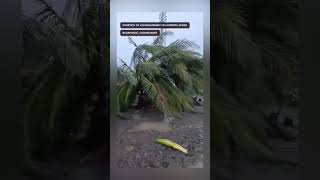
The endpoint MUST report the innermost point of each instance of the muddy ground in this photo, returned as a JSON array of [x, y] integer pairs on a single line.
[[137, 135], [71, 165]]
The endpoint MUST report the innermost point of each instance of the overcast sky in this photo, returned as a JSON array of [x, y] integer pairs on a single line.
[[194, 33]]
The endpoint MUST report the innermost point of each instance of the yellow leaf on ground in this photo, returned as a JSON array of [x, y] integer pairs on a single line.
[[171, 144]]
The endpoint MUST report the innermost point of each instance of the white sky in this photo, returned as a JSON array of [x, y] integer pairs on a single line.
[[194, 33]]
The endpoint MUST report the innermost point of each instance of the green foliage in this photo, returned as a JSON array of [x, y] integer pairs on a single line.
[[161, 74], [232, 120], [254, 63], [44, 103], [61, 88]]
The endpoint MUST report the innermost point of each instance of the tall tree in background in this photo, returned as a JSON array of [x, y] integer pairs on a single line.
[[163, 18]]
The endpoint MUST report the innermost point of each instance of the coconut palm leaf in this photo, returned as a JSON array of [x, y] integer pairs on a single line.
[[172, 51], [230, 32], [46, 13]]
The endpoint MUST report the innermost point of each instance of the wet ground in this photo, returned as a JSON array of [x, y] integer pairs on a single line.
[[139, 150], [137, 135]]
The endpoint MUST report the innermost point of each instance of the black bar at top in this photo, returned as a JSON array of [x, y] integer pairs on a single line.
[[144, 25]]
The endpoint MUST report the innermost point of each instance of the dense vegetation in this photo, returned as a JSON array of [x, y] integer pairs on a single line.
[[66, 75], [253, 66], [164, 76]]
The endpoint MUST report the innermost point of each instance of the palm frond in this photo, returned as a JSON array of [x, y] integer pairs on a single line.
[[48, 14], [43, 107], [156, 94], [73, 57], [126, 95], [149, 69], [232, 120], [73, 12], [139, 55], [131, 41], [170, 52], [230, 32], [152, 49], [180, 70]]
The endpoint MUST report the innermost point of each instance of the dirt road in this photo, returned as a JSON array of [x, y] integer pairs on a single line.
[[137, 135]]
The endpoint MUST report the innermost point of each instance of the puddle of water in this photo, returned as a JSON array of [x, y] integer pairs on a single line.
[[155, 126]]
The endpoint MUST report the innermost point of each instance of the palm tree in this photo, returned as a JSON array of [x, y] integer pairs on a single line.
[[67, 80], [160, 74], [254, 61], [254, 58]]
